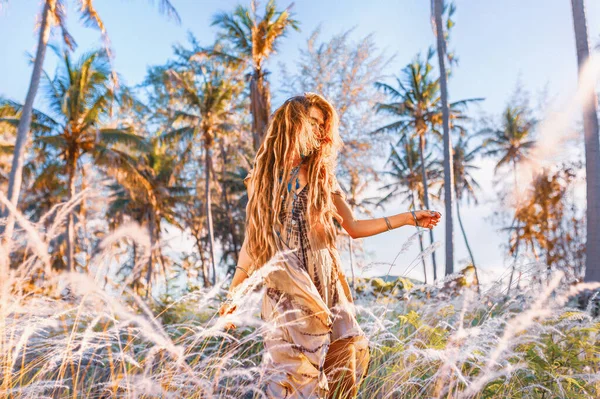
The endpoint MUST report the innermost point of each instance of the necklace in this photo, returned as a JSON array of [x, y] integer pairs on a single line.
[[294, 176]]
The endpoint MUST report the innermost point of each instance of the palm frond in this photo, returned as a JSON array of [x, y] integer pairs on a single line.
[[389, 89], [56, 141], [123, 137], [234, 31], [165, 7], [176, 135]]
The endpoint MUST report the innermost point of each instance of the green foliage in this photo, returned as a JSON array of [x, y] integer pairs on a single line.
[[377, 286], [557, 358]]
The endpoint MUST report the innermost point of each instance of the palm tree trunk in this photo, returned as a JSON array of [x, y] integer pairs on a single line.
[[426, 199], [448, 170], [151, 223], [592, 149], [198, 237], [135, 281], [234, 240], [207, 166], [16, 171], [512, 271], [82, 217], [159, 251], [514, 266], [205, 273], [412, 200], [260, 104], [70, 218], [464, 233]]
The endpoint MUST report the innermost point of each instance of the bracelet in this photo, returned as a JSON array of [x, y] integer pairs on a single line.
[[389, 225], [242, 269], [415, 217]]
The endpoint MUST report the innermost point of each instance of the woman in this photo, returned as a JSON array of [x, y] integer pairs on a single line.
[[316, 343]]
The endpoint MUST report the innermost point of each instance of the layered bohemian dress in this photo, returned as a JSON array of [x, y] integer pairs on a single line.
[[314, 342]]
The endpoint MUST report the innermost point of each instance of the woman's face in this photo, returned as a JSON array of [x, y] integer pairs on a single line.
[[317, 120]]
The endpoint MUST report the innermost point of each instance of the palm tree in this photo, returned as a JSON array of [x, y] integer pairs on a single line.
[[592, 148], [407, 179], [254, 39], [80, 98], [53, 13], [448, 163], [205, 91], [465, 185], [415, 103], [148, 192], [512, 143], [43, 177], [16, 172]]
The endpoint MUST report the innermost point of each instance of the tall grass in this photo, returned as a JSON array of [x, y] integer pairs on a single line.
[[76, 336]]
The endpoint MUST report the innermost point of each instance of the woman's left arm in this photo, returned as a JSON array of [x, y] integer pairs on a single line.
[[359, 228]]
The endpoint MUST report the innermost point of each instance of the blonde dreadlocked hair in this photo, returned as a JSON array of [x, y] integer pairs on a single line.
[[290, 132]]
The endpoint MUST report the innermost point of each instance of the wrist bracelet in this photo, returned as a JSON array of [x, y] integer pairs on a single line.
[[415, 217], [387, 222], [242, 269]]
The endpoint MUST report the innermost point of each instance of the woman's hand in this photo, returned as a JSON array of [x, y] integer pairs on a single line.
[[427, 219], [227, 308]]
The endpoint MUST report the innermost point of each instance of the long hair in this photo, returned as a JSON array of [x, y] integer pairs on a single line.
[[290, 132]]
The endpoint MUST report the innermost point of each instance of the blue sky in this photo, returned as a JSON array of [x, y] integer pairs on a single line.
[[497, 42]]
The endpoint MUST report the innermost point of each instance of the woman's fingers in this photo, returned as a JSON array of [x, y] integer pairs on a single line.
[[433, 215], [428, 218]]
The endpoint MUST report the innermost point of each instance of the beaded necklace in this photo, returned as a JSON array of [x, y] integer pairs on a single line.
[[294, 176]]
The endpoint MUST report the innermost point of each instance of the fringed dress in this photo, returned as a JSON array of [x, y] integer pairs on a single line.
[[310, 309]]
